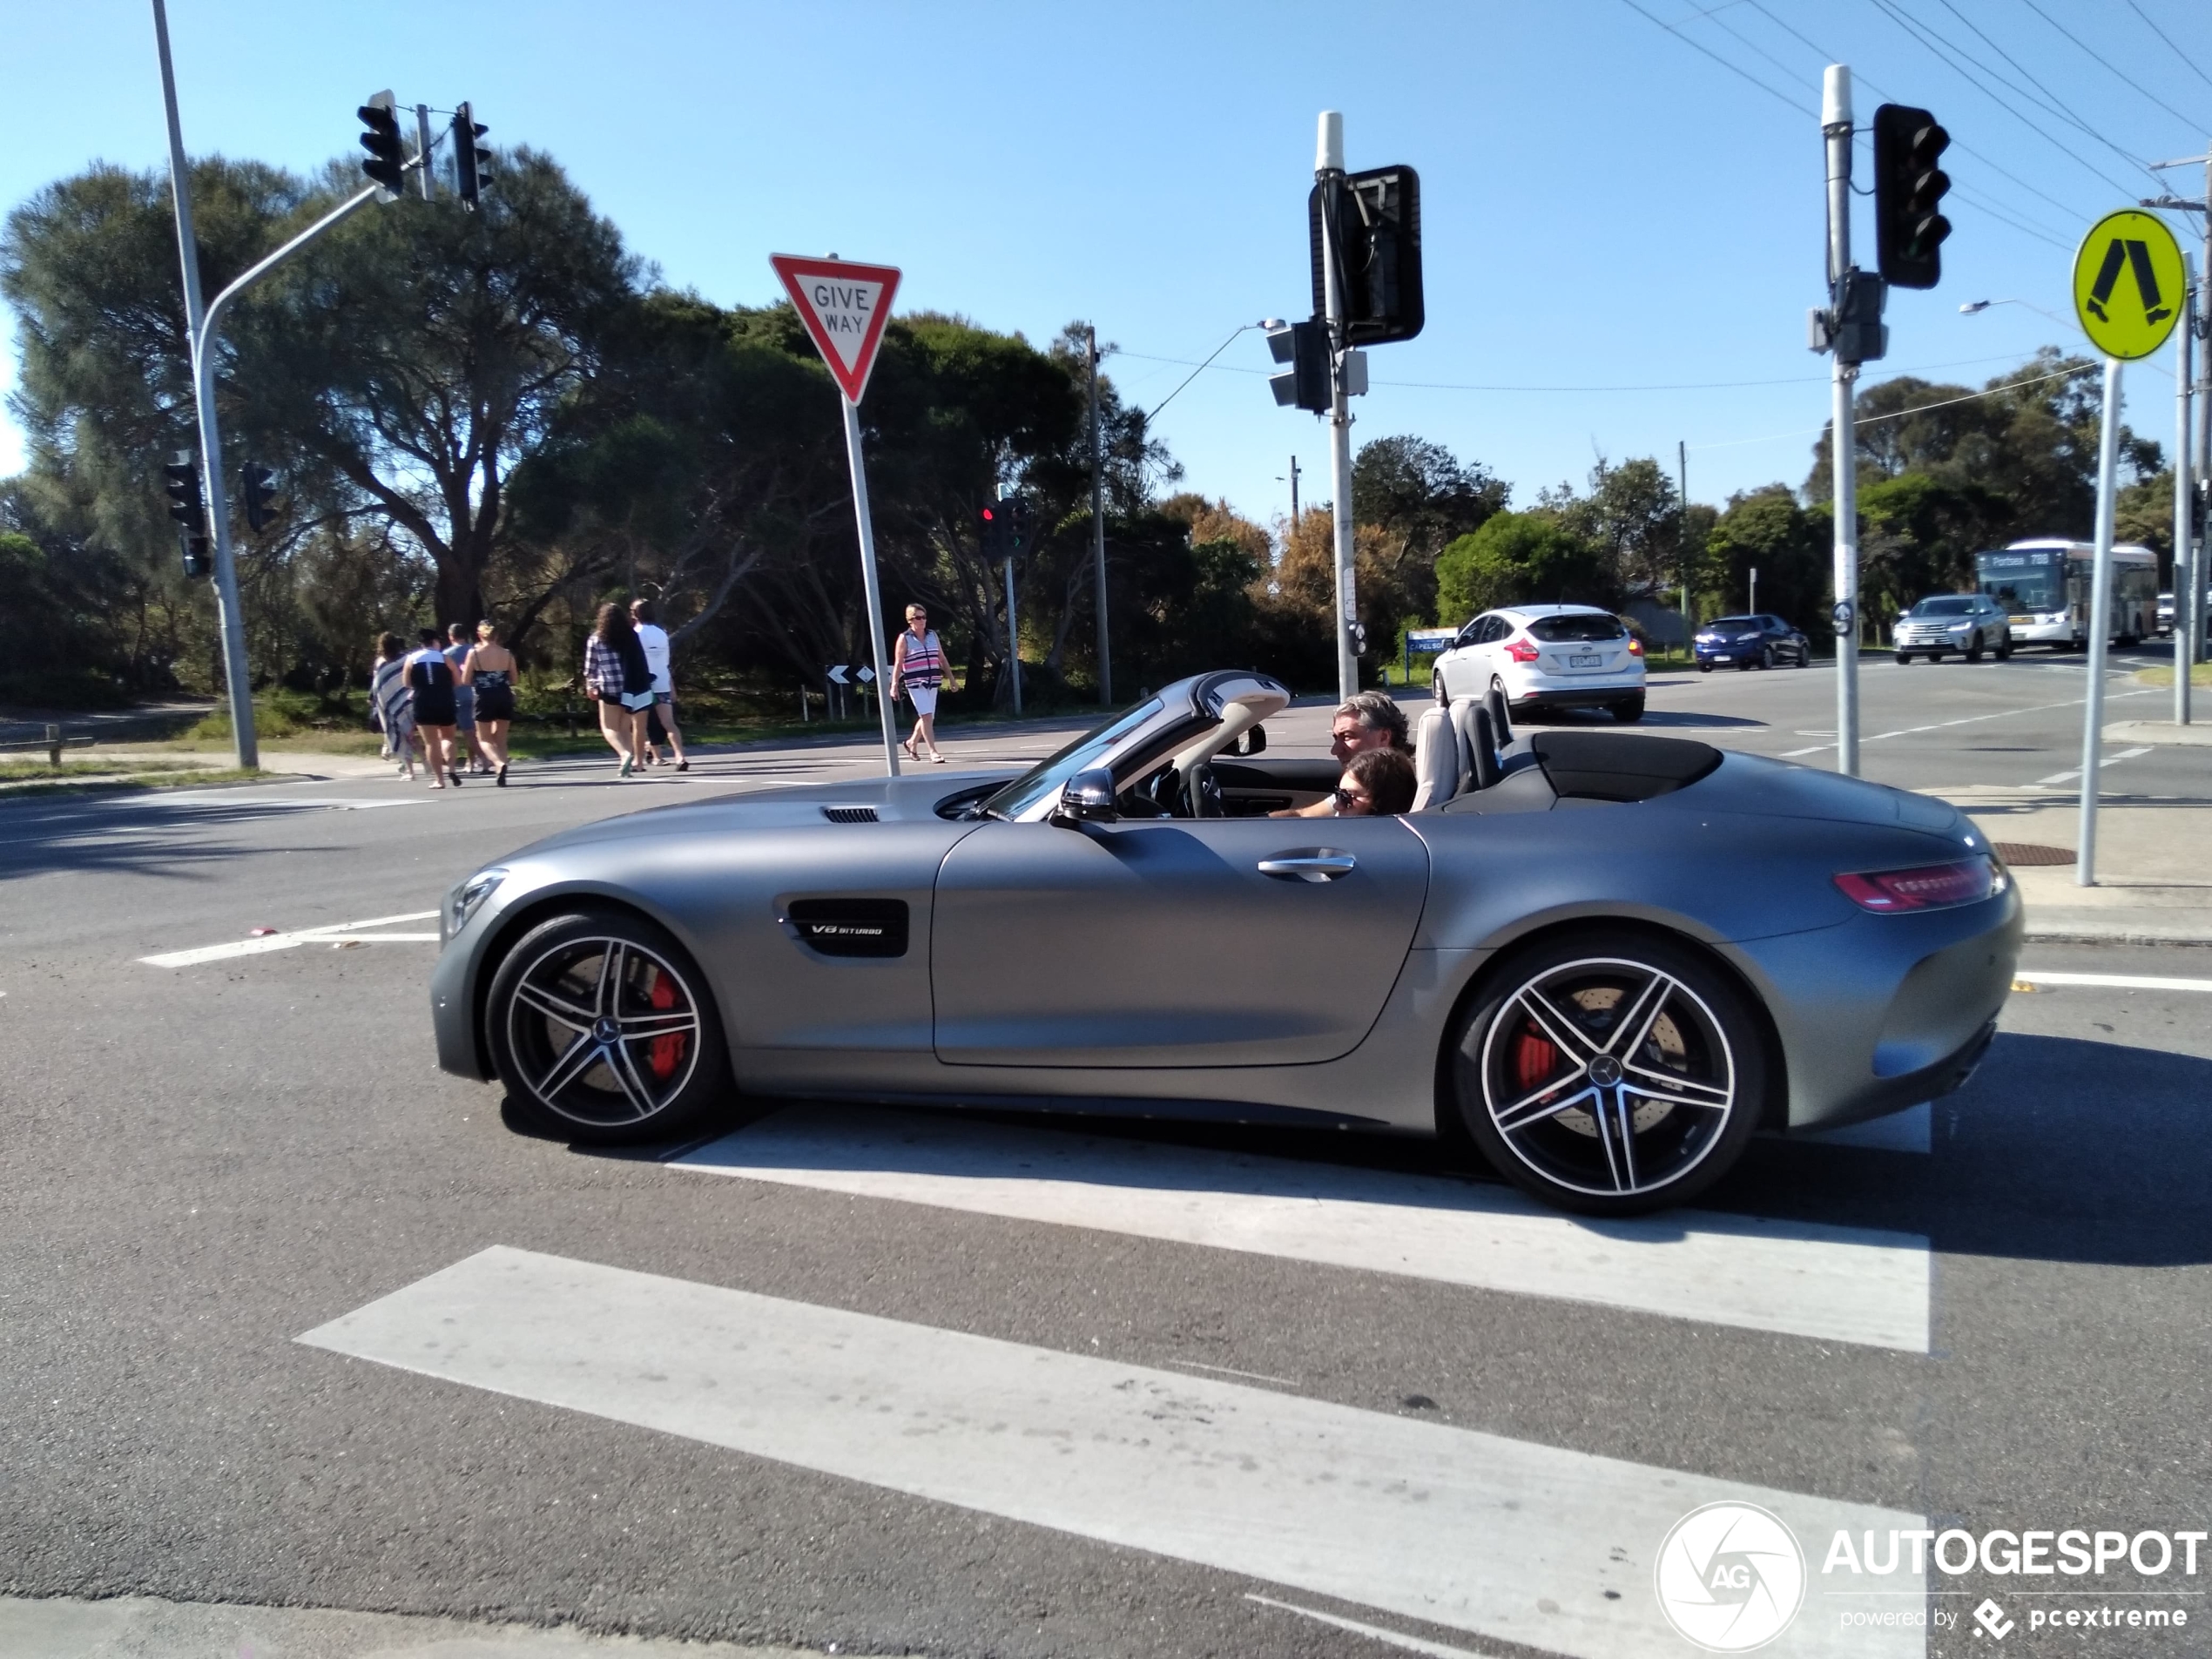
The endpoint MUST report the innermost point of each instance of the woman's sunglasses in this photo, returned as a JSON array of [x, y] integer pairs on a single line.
[[1347, 799]]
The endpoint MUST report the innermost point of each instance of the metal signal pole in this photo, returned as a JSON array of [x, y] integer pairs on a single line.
[[1293, 494], [237, 682], [1098, 523], [1835, 127], [2204, 480], [2189, 617], [2085, 857], [1328, 173]]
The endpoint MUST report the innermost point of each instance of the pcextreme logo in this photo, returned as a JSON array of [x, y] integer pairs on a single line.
[[1729, 1577]]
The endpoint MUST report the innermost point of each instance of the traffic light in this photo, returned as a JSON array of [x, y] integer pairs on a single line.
[[1304, 346], [471, 161], [1378, 229], [387, 163], [180, 480], [253, 490], [989, 529], [1908, 188], [1018, 520]]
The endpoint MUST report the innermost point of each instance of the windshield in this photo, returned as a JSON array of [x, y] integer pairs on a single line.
[[1556, 630], [1732, 624], [1950, 604], [1047, 778], [2022, 581]]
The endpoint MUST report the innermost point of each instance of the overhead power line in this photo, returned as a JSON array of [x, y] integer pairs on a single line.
[[2121, 73], [2168, 39], [1898, 414], [1733, 69]]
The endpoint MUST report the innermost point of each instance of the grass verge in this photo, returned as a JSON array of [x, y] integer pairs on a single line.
[[2199, 675], [104, 781]]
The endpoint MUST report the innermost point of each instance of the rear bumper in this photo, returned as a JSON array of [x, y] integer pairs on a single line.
[[1550, 692], [1884, 1012]]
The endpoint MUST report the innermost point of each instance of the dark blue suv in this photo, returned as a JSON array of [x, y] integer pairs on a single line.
[[1751, 642]]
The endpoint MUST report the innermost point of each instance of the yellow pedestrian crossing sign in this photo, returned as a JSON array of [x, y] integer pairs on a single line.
[[2129, 284]]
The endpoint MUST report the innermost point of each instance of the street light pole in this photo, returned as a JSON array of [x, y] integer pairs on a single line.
[[237, 682], [1328, 173], [1098, 523], [1835, 126]]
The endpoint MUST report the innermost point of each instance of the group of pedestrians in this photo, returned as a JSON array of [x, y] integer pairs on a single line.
[[626, 673], [451, 700]]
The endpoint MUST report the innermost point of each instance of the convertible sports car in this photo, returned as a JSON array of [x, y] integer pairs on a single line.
[[1607, 958]]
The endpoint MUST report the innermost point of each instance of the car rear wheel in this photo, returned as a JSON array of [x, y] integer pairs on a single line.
[[1903, 657], [1609, 1073], [1704, 668], [601, 1026], [1628, 710]]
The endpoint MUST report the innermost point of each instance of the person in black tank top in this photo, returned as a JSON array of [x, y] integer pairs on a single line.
[[490, 667]]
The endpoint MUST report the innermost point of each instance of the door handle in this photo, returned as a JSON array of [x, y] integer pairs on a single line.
[[1324, 864]]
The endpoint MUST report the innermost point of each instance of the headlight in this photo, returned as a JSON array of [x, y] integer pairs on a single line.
[[1960, 627], [461, 902]]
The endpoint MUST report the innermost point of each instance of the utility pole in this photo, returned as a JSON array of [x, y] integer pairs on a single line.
[[1012, 638], [1293, 494], [423, 150], [2204, 480], [1682, 473], [1835, 127], [237, 682], [1098, 523], [2189, 620], [1328, 174]]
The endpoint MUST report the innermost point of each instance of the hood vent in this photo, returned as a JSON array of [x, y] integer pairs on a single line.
[[850, 814]]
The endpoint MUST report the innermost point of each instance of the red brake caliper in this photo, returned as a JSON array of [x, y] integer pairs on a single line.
[[1535, 1057], [665, 1053]]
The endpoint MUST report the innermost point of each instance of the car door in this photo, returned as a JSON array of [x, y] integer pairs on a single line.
[[1461, 665], [1171, 941]]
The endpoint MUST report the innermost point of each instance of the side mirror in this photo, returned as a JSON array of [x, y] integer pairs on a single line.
[[1254, 742], [1088, 797]]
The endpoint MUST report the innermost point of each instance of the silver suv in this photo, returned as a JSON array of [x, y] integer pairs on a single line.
[[1969, 624]]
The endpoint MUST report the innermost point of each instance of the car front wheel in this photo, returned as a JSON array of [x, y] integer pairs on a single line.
[[1436, 688], [1609, 1073], [601, 1027]]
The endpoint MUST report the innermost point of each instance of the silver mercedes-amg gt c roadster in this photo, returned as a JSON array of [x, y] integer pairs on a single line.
[[1605, 958]]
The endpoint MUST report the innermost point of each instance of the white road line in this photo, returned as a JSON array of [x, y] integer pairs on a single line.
[[1971, 720], [1831, 1284], [2117, 982], [1373, 1632], [211, 798], [2068, 777], [1457, 1529], [343, 933]]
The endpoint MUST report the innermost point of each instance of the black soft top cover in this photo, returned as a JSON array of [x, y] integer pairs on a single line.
[[1609, 765]]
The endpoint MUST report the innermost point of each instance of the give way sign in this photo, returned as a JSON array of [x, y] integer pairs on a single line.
[[843, 307]]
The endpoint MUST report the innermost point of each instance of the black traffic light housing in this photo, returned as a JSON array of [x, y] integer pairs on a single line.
[[180, 481], [256, 494], [1304, 346], [1017, 520], [387, 163], [471, 161], [1378, 222], [1908, 189]]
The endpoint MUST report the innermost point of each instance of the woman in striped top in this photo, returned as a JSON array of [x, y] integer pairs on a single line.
[[918, 668]]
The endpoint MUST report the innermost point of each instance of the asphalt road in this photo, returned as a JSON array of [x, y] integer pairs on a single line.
[[203, 1164]]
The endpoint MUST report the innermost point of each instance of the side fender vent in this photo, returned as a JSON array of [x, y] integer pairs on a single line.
[[850, 814], [848, 927]]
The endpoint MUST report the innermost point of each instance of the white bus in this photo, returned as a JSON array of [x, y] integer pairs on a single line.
[[2044, 586]]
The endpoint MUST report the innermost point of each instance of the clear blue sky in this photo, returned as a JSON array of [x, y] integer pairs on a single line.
[[1605, 205]]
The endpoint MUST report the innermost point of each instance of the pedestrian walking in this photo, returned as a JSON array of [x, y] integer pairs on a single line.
[[430, 679], [489, 670], [463, 641], [660, 719], [918, 668], [618, 678], [392, 703]]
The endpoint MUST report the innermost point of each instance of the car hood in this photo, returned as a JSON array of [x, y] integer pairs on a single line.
[[784, 806]]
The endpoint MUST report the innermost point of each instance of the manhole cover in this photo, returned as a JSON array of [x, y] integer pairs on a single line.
[[2021, 852]]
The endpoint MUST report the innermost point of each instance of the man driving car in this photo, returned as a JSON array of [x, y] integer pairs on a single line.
[[1365, 720]]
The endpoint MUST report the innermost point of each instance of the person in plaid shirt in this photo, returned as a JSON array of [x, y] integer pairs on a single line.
[[614, 663]]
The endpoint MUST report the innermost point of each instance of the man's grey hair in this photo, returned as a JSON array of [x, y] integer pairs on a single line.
[[1378, 711]]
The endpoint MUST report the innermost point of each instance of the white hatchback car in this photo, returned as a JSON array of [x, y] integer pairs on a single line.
[[1547, 656]]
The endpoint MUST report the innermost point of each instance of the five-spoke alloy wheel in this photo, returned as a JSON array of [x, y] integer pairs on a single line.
[[1610, 1073], [599, 1023]]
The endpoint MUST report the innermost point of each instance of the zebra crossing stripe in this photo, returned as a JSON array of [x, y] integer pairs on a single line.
[[1830, 1283], [1468, 1531]]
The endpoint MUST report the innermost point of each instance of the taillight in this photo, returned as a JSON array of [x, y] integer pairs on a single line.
[[1521, 652], [1934, 887], [1635, 646]]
